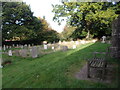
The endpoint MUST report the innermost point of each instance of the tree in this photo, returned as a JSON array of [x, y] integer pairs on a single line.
[[16, 16], [91, 17]]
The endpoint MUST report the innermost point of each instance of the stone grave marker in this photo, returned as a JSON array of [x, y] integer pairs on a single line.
[[10, 52], [23, 52], [1, 63], [83, 42], [29, 46], [21, 46], [13, 45], [17, 53], [53, 47], [74, 46], [34, 52], [45, 47], [7, 47], [25, 46], [103, 39], [64, 48], [4, 48], [77, 43], [17, 45], [10, 47]]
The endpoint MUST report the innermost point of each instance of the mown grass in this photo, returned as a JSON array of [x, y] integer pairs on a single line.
[[55, 70]]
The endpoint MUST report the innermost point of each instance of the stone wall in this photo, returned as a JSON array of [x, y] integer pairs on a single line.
[[116, 38]]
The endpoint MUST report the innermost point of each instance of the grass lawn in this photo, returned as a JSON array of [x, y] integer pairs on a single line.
[[55, 70]]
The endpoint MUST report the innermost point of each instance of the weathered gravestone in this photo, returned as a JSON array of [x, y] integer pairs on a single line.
[[4, 48], [25, 46], [103, 39], [53, 47], [34, 52], [45, 46], [1, 63], [74, 46], [64, 48], [10, 52], [23, 52], [17, 52], [116, 37]]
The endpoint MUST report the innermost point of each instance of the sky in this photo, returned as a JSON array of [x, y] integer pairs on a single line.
[[44, 8]]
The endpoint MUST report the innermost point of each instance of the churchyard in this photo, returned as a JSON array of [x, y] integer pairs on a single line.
[[41, 67]]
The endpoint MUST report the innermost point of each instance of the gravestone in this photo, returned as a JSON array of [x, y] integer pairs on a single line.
[[29, 46], [83, 42], [60, 42], [10, 47], [64, 48], [34, 52], [7, 47], [77, 43], [116, 37], [10, 52], [103, 39], [45, 46], [25, 46], [1, 63], [74, 46], [17, 45], [53, 47], [21, 46], [23, 53], [17, 53], [13, 45], [4, 48]]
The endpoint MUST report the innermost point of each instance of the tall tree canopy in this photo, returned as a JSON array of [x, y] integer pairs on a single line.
[[20, 24], [92, 17]]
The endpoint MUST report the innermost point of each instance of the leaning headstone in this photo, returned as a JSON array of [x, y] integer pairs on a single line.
[[74, 46], [64, 48], [34, 52], [45, 46], [10, 52], [103, 39]]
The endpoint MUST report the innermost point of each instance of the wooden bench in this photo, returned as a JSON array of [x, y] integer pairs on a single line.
[[98, 62]]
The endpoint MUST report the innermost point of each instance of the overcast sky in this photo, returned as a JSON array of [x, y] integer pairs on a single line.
[[44, 8]]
